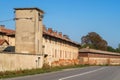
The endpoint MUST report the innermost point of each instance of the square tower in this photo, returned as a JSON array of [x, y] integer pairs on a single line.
[[28, 30]]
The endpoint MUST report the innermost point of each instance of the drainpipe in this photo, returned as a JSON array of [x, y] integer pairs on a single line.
[[88, 59]]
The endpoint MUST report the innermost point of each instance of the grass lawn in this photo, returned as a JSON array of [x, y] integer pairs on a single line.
[[45, 69]]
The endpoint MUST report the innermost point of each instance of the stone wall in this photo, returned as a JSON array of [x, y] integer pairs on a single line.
[[13, 61]]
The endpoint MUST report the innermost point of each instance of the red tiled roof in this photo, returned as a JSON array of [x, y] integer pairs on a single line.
[[7, 31], [2, 41], [88, 50], [48, 32], [30, 9], [54, 34]]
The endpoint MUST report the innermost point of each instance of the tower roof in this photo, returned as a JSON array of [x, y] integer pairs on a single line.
[[30, 9]]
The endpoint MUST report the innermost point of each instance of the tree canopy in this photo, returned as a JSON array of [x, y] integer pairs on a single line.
[[111, 49], [94, 40], [118, 49]]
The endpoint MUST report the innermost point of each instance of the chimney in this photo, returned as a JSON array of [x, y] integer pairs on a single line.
[[50, 30], [55, 33], [2, 26], [44, 28], [60, 34], [66, 37]]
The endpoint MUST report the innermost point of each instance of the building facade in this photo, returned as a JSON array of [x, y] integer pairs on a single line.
[[98, 57], [7, 36], [33, 38], [28, 30], [3, 44], [59, 49]]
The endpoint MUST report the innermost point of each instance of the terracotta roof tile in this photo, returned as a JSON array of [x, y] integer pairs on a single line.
[[2, 41], [88, 50], [45, 32], [7, 31], [54, 34]]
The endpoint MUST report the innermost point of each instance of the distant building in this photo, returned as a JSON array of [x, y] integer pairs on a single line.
[[98, 57], [6, 36], [3, 44]]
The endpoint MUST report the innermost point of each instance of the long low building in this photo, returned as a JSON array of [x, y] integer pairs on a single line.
[[98, 57], [60, 50]]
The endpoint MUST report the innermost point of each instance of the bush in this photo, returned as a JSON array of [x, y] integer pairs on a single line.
[[46, 66]]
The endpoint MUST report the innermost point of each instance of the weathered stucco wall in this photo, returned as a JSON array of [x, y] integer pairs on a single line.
[[59, 52], [65, 62], [11, 41], [28, 30], [12, 61], [99, 61], [115, 61]]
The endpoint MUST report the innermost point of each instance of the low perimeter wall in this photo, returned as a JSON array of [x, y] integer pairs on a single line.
[[13, 61], [98, 57], [100, 61]]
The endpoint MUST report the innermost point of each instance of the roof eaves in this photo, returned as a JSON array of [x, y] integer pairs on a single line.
[[29, 9]]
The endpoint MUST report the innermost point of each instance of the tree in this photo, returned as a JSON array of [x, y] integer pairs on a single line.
[[118, 49], [119, 46], [111, 49], [94, 40]]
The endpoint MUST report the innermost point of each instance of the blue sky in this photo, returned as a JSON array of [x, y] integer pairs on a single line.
[[72, 17]]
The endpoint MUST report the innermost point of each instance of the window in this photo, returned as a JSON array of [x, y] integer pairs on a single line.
[[65, 54], [60, 53], [55, 53], [46, 40], [70, 55], [49, 40], [39, 16], [38, 45]]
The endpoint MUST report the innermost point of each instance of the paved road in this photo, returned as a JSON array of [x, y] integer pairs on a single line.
[[88, 73]]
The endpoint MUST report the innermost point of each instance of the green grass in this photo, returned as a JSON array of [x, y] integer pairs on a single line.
[[46, 69]]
